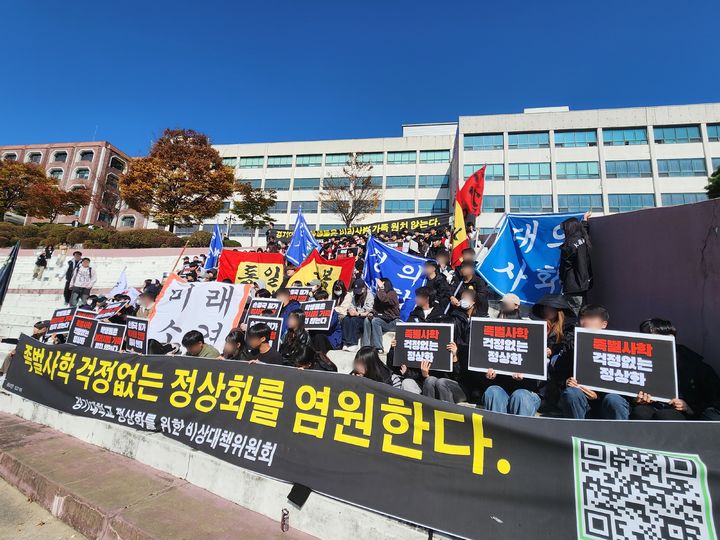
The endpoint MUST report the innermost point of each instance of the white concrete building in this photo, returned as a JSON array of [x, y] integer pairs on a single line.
[[541, 160]]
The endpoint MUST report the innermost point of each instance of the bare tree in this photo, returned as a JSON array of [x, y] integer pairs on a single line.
[[353, 195]]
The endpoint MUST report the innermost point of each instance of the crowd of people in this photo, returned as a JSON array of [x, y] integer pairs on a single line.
[[449, 295]]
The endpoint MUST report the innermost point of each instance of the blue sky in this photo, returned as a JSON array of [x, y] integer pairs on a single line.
[[277, 71]]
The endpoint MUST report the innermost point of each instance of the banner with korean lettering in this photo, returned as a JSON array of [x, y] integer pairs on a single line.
[[300, 294], [327, 271], [626, 363], [461, 471], [403, 270], [82, 330], [318, 314], [393, 226], [61, 320], [250, 266], [525, 257], [508, 346], [263, 307], [212, 307], [108, 336], [137, 340]]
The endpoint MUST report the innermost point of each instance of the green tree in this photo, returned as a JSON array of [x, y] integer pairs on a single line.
[[353, 195], [22, 189], [253, 206], [181, 182], [713, 187]]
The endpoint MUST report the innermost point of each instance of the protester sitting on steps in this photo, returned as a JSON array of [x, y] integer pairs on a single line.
[[576, 401], [383, 316], [194, 343], [257, 346], [296, 339], [330, 339], [698, 384], [509, 307], [342, 298], [288, 306], [360, 307], [367, 364]]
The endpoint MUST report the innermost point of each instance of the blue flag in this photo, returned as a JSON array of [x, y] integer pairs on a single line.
[[405, 271], [302, 242], [525, 256], [216, 245]]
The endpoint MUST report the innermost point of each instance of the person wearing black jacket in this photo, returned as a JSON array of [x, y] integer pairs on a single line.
[[73, 264], [575, 268], [296, 339], [437, 283], [469, 280]]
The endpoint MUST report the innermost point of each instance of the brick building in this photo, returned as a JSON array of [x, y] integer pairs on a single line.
[[96, 166]]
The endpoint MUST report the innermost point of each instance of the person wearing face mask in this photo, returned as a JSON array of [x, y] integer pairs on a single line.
[[330, 339], [342, 299], [469, 280], [361, 305], [384, 315], [257, 346]]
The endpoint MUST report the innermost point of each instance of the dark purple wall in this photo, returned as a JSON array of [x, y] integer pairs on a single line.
[[662, 262]]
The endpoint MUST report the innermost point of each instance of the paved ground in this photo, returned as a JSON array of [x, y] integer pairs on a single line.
[[21, 519]]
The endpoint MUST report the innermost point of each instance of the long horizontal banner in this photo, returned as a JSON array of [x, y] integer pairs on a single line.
[[463, 471], [393, 226]]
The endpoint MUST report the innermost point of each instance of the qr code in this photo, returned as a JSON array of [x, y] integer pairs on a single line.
[[634, 493]]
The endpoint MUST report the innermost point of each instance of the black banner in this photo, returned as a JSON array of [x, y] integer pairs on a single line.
[[508, 346], [108, 336], [61, 320], [392, 226], [418, 342], [82, 330], [301, 294], [318, 314], [626, 363], [263, 307], [275, 324], [462, 471], [137, 328]]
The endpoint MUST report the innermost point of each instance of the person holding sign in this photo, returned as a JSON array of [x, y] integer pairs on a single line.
[[698, 384], [330, 339], [288, 306], [576, 401], [385, 313]]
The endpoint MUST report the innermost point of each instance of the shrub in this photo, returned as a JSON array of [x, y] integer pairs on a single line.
[[199, 239], [57, 232], [144, 238], [6, 242], [231, 243], [9, 229], [27, 231], [77, 236], [30, 242]]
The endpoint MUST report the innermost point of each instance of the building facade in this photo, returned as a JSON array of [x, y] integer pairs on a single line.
[[95, 166], [541, 160]]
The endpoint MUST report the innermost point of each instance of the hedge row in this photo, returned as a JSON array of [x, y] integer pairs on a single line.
[[32, 236]]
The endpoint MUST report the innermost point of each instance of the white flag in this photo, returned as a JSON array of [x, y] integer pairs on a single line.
[[121, 287]]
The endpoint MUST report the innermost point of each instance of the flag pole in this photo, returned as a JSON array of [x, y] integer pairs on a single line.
[[179, 257]]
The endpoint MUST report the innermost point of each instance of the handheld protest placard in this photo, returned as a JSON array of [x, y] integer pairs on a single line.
[[82, 330], [508, 346], [318, 314], [275, 324], [418, 342], [108, 336], [300, 294], [110, 310], [137, 335], [626, 363], [263, 307], [61, 320]]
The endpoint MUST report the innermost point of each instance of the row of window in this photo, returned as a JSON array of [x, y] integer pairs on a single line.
[[588, 137], [391, 182], [61, 157], [573, 170], [331, 160], [619, 202]]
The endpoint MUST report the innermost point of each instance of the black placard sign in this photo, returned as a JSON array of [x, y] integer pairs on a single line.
[[85, 312], [263, 307], [110, 309], [418, 342], [275, 324], [301, 294], [508, 346], [137, 335], [61, 320], [424, 461], [318, 314], [108, 336], [82, 330], [626, 363]]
